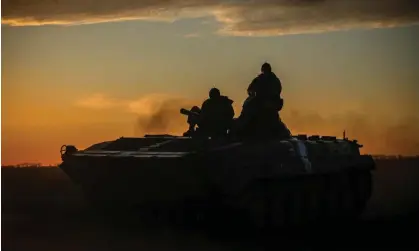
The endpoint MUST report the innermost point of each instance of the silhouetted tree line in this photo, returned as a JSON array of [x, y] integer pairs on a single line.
[[393, 157], [29, 165], [377, 157]]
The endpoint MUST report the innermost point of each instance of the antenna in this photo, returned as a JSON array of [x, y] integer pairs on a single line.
[[344, 134]]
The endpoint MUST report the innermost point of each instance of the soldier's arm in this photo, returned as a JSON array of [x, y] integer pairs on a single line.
[[231, 110], [252, 87], [279, 86], [204, 107]]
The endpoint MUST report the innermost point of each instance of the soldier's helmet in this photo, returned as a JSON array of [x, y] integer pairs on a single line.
[[266, 67], [214, 93], [196, 109]]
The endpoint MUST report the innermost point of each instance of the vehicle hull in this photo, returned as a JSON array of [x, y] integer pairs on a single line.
[[263, 181]]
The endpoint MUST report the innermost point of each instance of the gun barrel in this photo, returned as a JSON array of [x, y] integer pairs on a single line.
[[184, 111], [188, 112]]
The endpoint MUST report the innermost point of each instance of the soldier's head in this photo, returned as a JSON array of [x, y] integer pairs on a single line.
[[195, 109], [266, 68], [214, 93]]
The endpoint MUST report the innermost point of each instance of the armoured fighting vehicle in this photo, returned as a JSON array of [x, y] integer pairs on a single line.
[[280, 182]]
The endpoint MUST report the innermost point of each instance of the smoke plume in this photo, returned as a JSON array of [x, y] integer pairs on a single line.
[[163, 117]]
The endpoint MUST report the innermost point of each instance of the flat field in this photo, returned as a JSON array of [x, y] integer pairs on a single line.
[[43, 210]]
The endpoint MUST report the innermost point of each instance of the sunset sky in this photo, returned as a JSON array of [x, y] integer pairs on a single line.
[[79, 72]]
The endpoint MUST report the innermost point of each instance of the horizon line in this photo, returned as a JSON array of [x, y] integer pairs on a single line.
[[40, 165]]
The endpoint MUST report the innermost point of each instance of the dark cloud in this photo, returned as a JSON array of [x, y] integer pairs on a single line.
[[262, 17]]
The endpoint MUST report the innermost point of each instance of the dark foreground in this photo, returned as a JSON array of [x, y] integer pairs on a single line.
[[42, 210]]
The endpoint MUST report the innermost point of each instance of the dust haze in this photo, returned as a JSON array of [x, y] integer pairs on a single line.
[[377, 136], [164, 117]]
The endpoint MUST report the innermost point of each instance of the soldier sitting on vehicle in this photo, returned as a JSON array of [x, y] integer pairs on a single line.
[[266, 88], [193, 119], [214, 118], [260, 110]]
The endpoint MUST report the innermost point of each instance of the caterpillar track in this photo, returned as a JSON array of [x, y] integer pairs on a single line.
[[280, 182]]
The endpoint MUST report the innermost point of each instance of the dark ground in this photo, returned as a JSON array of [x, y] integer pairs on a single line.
[[42, 210]]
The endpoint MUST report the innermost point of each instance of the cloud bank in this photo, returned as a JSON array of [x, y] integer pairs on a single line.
[[237, 17]]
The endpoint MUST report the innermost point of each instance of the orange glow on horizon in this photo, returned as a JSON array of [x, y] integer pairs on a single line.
[[85, 84]]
